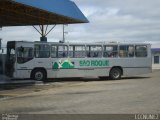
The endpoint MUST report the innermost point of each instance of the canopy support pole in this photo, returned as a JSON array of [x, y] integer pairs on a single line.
[[43, 32]]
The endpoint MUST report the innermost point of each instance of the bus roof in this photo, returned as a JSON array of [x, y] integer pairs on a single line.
[[85, 43]]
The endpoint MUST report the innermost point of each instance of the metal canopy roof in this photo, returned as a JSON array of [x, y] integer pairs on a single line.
[[39, 12]]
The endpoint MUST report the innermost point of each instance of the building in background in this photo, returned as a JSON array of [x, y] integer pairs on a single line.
[[155, 58]]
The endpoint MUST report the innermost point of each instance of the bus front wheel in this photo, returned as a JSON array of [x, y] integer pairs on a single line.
[[115, 74], [39, 75]]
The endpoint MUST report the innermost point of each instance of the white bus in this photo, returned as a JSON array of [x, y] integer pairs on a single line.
[[42, 60]]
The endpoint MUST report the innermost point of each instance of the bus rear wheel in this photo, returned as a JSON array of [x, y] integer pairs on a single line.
[[39, 75], [115, 74]]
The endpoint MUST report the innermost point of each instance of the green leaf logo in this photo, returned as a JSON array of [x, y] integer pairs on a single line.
[[66, 64]]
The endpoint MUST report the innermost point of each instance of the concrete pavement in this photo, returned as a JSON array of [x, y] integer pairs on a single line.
[[139, 94]]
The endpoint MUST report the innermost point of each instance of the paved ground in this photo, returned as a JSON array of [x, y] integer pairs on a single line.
[[129, 95]]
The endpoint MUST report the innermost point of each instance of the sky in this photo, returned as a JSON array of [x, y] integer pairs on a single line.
[[110, 20]]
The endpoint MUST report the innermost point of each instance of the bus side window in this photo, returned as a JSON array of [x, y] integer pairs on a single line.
[[123, 51], [94, 51], [62, 51], [95, 54], [79, 51], [76, 51], [24, 55], [110, 51], [71, 51], [131, 51], [126, 51], [53, 51], [141, 51], [42, 51]]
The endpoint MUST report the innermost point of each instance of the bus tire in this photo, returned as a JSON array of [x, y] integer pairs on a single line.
[[115, 73], [39, 75]]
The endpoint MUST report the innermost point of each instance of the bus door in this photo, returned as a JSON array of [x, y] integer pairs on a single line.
[[10, 59]]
